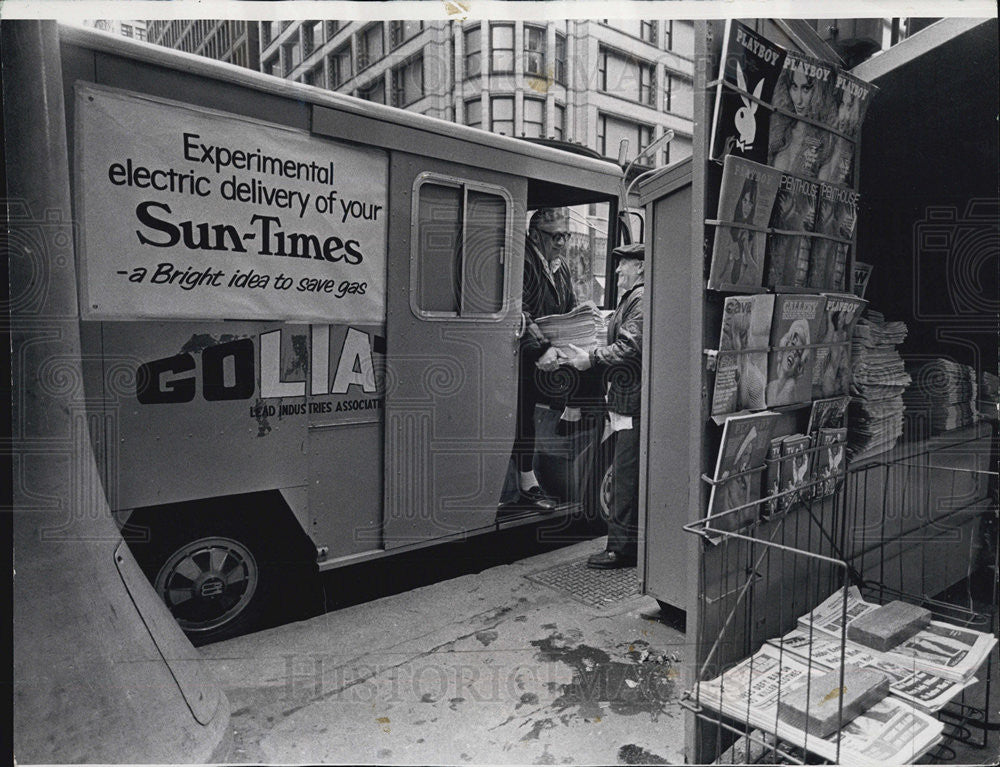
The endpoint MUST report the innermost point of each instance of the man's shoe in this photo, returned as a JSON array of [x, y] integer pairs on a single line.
[[536, 499], [609, 560]]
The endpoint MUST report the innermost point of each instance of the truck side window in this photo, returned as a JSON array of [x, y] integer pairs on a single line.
[[460, 248]]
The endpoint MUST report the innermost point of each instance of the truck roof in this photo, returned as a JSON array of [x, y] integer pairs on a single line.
[[556, 173]]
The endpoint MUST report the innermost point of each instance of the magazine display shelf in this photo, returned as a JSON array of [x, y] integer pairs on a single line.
[[929, 494]]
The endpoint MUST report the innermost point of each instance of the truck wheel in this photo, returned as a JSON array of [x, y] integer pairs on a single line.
[[212, 575]]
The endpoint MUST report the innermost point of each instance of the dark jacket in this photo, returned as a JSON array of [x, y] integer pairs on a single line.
[[542, 294], [620, 362]]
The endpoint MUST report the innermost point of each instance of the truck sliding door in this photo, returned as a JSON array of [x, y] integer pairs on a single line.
[[456, 243]]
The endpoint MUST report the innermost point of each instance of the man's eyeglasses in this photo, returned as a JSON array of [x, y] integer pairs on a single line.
[[559, 238]]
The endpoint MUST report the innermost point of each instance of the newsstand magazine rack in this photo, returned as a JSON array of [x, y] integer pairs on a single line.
[[906, 524], [759, 580]]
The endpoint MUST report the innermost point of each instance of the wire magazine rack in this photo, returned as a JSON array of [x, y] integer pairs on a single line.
[[758, 579]]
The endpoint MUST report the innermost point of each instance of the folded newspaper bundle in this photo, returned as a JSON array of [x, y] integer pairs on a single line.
[[942, 649], [878, 381], [944, 393], [584, 326], [890, 732]]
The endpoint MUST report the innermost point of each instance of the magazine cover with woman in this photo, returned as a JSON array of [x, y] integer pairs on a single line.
[[836, 216], [832, 369], [741, 375], [745, 439], [850, 102], [746, 198], [790, 364], [804, 92], [794, 215]]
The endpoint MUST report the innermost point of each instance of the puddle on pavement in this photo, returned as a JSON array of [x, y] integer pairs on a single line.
[[598, 681]]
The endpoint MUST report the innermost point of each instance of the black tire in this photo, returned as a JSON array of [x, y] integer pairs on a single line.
[[595, 491], [215, 574]]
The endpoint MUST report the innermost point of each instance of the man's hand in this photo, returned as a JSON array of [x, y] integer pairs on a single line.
[[577, 357], [550, 360]]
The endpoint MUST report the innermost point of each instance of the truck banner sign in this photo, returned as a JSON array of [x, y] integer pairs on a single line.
[[191, 213]]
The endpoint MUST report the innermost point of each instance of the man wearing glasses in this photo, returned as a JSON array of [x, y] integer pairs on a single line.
[[548, 289]]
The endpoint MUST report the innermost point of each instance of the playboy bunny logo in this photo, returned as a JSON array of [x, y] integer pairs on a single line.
[[746, 121]]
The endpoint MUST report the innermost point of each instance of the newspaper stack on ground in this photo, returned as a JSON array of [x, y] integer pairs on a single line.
[[942, 649], [943, 393], [878, 380], [890, 732], [584, 326]]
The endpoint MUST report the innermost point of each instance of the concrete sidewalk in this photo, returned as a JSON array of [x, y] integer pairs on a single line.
[[493, 668]]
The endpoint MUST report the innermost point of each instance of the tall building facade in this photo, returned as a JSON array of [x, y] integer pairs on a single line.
[[587, 82], [130, 28], [236, 42]]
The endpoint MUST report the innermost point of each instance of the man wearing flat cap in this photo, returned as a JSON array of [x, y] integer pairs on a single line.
[[620, 365]]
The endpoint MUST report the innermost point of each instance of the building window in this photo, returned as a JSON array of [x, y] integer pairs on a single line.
[[401, 31], [271, 30], [666, 154], [374, 91], [127, 30], [502, 115], [273, 66], [668, 85], [560, 58], [314, 76], [647, 31], [473, 52], [501, 48], [559, 123], [534, 118], [626, 77], [312, 37], [340, 65], [668, 35], [534, 50], [463, 232], [370, 48], [611, 131], [474, 113], [291, 54], [408, 82], [332, 28], [647, 84]]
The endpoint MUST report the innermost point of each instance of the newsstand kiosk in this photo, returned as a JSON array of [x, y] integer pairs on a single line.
[[905, 523]]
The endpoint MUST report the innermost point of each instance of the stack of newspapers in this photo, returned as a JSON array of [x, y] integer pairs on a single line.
[[944, 393], [584, 326], [925, 672], [878, 380]]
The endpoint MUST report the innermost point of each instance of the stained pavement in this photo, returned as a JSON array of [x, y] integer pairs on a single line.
[[500, 667]]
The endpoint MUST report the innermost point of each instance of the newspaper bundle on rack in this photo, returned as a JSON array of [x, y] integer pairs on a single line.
[[945, 650], [922, 688], [944, 393], [890, 732], [878, 380]]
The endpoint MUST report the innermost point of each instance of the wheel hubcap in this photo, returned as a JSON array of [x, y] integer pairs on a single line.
[[208, 583], [605, 495]]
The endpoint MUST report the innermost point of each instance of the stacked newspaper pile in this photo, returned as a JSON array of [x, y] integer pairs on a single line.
[[890, 732], [941, 649], [878, 380], [925, 672], [584, 326], [944, 393]]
